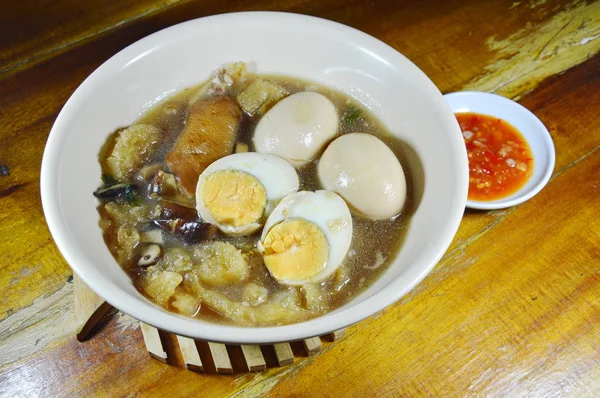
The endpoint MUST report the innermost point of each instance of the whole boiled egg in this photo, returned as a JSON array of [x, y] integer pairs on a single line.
[[297, 127], [366, 173], [236, 192], [306, 237]]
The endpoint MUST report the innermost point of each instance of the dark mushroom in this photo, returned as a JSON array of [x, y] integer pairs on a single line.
[[119, 192], [194, 231], [188, 231], [111, 192], [171, 210]]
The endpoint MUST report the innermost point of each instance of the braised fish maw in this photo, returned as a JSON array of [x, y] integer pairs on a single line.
[[210, 134]]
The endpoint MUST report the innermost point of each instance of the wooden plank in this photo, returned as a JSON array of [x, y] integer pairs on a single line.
[[82, 22], [190, 354], [90, 308], [220, 358], [284, 354], [55, 25], [152, 341], [312, 345], [254, 358]]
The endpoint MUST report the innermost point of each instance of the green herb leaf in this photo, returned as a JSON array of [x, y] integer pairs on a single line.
[[351, 115], [131, 196]]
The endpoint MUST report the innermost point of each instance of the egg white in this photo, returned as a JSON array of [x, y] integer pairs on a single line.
[[366, 173], [277, 176], [297, 127]]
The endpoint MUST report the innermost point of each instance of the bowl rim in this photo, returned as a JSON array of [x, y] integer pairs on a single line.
[[517, 111], [321, 325]]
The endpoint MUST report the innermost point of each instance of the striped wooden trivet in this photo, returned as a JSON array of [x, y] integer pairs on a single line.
[[91, 308], [254, 357]]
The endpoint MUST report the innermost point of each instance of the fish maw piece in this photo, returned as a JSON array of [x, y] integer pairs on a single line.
[[133, 147], [210, 133], [282, 308], [158, 284]]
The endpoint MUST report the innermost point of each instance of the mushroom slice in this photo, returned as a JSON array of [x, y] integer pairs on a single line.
[[172, 210], [152, 236], [149, 256], [111, 192], [189, 231], [119, 192]]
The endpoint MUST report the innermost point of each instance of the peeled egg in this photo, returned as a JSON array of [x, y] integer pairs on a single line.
[[366, 173], [306, 237], [297, 127], [237, 191]]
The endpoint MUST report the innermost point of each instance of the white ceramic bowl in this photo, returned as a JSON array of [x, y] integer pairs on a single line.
[[126, 85], [528, 124]]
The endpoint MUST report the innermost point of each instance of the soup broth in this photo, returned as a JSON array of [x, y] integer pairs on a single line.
[[138, 223]]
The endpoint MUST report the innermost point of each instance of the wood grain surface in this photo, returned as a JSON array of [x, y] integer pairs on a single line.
[[513, 308]]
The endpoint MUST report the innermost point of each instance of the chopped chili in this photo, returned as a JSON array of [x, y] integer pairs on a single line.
[[500, 160]]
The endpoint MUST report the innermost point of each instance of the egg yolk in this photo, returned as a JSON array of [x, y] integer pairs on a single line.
[[295, 250], [233, 197]]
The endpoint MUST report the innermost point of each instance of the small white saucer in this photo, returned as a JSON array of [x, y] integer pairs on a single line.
[[531, 128]]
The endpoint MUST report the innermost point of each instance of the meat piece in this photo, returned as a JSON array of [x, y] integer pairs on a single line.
[[210, 134]]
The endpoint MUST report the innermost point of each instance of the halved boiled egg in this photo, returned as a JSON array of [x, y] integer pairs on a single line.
[[306, 237], [236, 192], [297, 127]]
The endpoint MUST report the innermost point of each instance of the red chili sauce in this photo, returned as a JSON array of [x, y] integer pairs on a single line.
[[500, 160]]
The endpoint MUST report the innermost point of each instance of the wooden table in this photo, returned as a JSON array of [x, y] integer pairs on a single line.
[[513, 309]]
